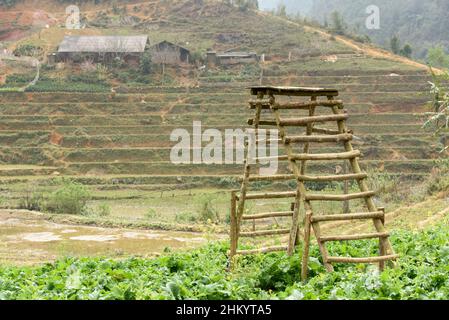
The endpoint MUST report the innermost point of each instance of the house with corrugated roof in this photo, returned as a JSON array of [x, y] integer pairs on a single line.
[[102, 48], [166, 52], [231, 58]]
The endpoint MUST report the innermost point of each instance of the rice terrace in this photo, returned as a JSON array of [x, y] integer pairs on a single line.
[[220, 150]]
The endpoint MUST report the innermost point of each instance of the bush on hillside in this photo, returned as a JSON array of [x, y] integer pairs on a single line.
[[70, 198]]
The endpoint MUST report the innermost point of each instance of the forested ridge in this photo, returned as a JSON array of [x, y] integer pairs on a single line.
[[422, 24]]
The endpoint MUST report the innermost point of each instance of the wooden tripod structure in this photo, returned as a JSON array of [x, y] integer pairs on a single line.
[[270, 101]]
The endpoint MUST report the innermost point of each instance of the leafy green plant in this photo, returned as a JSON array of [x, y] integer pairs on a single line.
[[200, 274]]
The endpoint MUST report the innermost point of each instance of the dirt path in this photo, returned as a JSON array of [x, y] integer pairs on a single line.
[[362, 48], [417, 216]]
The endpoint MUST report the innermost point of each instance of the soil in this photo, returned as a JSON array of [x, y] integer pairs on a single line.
[[27, 238]]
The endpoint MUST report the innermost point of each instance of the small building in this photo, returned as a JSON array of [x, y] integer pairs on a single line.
[[166, 52], [102, 48], [231, 58]]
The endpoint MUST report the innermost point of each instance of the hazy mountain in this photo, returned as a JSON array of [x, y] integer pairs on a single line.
[[293, 6], [423, 24]]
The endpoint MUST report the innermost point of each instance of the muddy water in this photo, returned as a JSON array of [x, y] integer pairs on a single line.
[[26, 238]]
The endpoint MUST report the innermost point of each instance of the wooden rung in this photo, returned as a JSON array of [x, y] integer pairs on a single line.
[[327, 156], [314, 157], [348, 217], [328, 131], [263, 233], [319, 138], [307, 120], [344, 197], [272, 178], [279, 158], [265, 104], [262, 250], [340, 177], [361, 236], [268, 215], [269, 140], [251, 122], [362, 260], [334, 103], [270, 195]]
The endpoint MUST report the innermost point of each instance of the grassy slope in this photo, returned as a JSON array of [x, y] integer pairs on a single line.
[[126, 137]]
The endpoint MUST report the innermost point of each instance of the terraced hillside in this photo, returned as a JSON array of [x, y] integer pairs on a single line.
[[123, 142]]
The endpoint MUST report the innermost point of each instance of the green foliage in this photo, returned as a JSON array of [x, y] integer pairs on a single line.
[[406, 51], [151, 214], [70, 198], [146, 63], [8, 3], [103, 210], [207, 209], [64, 86], [200, 274], [338, 24], [395, 45], [438, 57], [438, 117], [28, 50], [186, 217], [32, 200], [245, 5], [423, 24]]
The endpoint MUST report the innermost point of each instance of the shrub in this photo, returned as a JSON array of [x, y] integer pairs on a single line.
[[146, 63], [151, 214], [28, 50], [186, 217], [70, 198], [207, 210], [31, 201], [103, 210]]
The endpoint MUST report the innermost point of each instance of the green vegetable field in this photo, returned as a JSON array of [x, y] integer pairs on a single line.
[[421, 274]]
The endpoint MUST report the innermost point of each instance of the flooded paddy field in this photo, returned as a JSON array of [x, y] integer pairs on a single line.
[[27, 238]]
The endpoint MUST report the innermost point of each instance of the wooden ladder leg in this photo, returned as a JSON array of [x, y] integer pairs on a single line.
[[234, 235], [295, 225], [306, 247], [322, 246], [385, 244]]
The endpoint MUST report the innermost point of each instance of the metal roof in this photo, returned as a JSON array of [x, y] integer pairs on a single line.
[[170, 44], [124, 44], [236, 54]]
